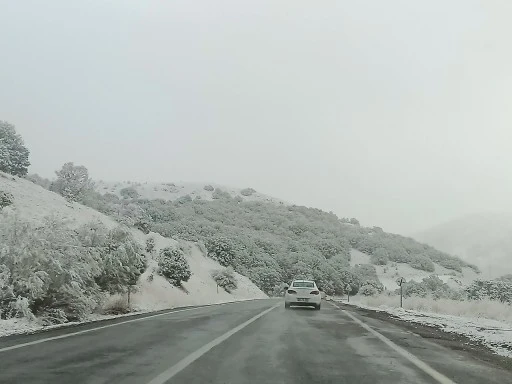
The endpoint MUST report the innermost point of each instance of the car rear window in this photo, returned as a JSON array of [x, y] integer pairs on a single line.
[[303, 284]]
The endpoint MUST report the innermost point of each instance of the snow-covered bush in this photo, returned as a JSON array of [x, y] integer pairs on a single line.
[[226, 279], [368, 290], [247, 191], [150, 245], [122, 261], [48, 267], [13, 153], [499, 290], [72, 182], [6, 199], [208, 188], [173, 265], [220, 194], [58, 273], [221, 249], [129, 193], [380, 257], [423, 263]]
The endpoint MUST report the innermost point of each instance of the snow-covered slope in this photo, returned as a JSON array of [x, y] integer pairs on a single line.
[[388, 274], [173, 191], [481, 239], [33, 203]]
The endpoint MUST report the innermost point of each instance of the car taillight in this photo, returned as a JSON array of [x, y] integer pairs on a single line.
[[315, 292], [291, 291]]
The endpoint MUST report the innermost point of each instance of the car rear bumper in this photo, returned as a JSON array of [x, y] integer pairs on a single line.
[[303, 304]]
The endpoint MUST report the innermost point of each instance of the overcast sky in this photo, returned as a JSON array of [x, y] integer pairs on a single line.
[[394, 112]]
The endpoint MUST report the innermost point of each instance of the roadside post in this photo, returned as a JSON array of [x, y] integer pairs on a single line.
[[401, 282]]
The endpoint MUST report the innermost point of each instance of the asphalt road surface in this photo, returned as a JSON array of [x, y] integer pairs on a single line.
[[249, 342]]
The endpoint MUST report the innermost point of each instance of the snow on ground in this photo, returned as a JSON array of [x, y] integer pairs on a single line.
[[33, 203], [495, 334], [173, 191], [388, 274]]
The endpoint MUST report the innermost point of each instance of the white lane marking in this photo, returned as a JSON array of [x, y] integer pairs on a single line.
[[17, 346], [440, 378], [185, 362]]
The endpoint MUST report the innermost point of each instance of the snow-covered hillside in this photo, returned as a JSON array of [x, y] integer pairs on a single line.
[[173, 191], [32, 203], [388, 274], [482, 239]]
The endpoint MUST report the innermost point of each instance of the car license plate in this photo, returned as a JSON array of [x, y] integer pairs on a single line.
[[302, 299]]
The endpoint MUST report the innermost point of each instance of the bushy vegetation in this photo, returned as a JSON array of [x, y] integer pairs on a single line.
[[226, 279], [6, 199], [208, 188], [61, 274], [273, 243], [129, 193], [173, 265], [431, 286], [247, 191], [498, 290], [13, 153]]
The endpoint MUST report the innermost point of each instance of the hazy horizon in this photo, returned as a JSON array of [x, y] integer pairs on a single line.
[[395, 113]]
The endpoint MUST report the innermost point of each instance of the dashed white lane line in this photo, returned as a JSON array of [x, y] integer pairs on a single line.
[[440, 378], [182, 364]]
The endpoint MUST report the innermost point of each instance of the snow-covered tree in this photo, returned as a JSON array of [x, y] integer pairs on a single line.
[[122, 261], [72, 182], [13, 153], [173, 265]]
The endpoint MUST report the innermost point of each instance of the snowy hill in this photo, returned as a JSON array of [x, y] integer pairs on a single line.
[[481, 239], [33, 203], [388, 274], [173, 191]]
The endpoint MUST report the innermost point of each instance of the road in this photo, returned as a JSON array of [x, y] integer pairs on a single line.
[[248, 342]]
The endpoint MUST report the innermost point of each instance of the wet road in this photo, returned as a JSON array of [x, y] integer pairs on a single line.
[[249, 342]]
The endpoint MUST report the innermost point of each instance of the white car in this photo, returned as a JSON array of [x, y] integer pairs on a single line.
[[304, 293]]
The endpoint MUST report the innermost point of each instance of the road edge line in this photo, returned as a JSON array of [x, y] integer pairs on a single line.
[[439, 377], [168, 374], [169, 312]]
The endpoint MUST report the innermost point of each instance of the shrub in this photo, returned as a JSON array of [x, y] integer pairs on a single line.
[[116, 306], [6, 199], [368, 290], [423, 263], [247, 192], [208, 188], [143, 226], [225, 278], [380, 257], [150, 245], [129, 193], [497, 290], [13, 153], [220, 194], [221, 249], [173, 265], [47, 267]]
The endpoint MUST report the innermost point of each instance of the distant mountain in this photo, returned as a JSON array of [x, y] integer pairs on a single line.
[[481, 239]]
